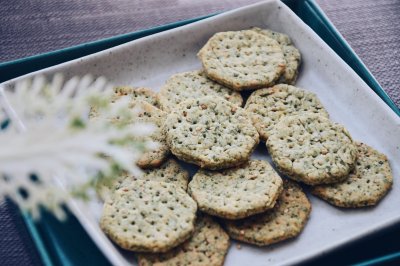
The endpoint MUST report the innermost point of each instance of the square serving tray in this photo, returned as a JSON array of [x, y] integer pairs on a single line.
[[149, 61]]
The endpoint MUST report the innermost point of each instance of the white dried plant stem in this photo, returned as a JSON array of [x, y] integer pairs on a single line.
[[41, 139]]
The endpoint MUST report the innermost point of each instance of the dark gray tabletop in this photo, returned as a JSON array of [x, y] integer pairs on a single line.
[[32, 27]]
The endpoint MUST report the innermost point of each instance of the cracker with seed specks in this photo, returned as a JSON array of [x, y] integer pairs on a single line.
[[208, 246], [268, 106], [149, 216], [286, 220], [170, 172], [192, 85], [151, 114], [243, 60], [236, 193], [136, 94], [367, 184], [312, 149], [142, 112], [211, 132], [290, 52]]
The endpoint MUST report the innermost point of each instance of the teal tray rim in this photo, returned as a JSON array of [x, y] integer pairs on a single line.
[[37, 239]]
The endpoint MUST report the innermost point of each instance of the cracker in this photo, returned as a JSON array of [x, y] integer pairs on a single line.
[[142, 112], [170, 172], [136, 94], [149, 216], [151, 114], [211, 132], [367, 184], [268, 106], [192, 85], [312, 149], [237, 192], [208, 246], [286, 220], [290, 52], [242, 60]]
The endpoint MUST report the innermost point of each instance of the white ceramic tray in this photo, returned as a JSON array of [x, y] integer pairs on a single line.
[[151, 60]]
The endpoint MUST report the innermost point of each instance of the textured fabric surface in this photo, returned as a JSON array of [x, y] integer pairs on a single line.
[[16, 245], [29, 27], [372, 28]]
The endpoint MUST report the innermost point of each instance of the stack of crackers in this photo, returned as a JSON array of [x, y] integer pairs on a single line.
[[170, 218]]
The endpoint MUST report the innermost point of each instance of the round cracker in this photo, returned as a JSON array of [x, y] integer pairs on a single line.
[[242, 60], [142, 112], [237, 192], [192, 85], [290, 52], [149, 216], [136, 94], [312, 149], [208, 246], [169, 172], [268, 106], [211, 132], [150, 114], [367, 184], [286, 220]]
